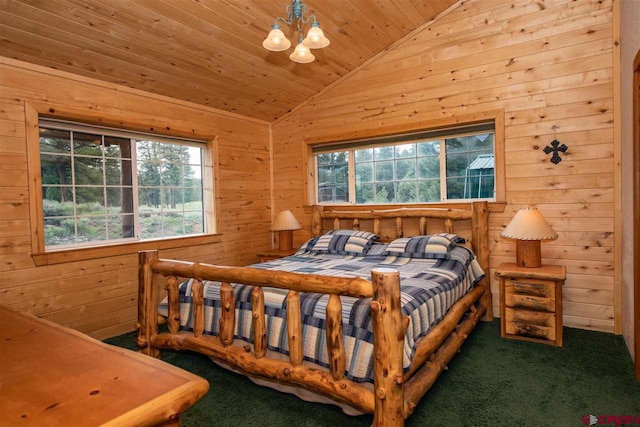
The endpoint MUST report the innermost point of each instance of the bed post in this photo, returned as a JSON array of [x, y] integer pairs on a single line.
[[316, 221], [480, 231], [147, 310], [389, 329]]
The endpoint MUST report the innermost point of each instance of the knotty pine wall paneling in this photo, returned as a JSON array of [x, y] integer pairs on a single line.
[[548, 65], [99, 296]]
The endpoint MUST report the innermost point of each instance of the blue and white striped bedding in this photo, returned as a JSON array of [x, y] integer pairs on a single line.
[[429, 287]]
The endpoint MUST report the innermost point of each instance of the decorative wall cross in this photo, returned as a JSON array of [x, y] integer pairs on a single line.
[[555, 159]]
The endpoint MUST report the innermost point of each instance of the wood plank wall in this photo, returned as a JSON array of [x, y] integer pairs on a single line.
[[99, 296], [548, 64]]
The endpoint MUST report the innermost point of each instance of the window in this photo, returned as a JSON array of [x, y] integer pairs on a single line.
[[102, 185], [419, 167]]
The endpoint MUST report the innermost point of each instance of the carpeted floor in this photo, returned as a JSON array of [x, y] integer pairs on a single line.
[[492, 382]]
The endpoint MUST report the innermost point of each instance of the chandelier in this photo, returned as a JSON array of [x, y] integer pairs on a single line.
[[276, 40]]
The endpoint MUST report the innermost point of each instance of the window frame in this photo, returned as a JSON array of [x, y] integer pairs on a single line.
[[51, 255], [497, 116], [367, 145]]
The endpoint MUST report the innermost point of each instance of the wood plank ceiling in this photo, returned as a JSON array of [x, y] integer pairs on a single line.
[[205, 51]]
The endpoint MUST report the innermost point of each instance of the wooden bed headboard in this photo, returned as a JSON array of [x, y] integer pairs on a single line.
[[353, 218]]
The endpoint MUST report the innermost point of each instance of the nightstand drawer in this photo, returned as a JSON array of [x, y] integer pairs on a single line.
[[531, 294], [536, 288], [531, 303], [533, 331], [537, 318]]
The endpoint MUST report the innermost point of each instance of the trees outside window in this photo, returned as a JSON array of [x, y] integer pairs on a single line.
[[100, 187]]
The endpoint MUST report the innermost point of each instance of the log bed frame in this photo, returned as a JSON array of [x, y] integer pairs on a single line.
[[395, 393]]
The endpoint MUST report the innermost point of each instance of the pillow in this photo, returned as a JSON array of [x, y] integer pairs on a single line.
[[307, 246], [344, 242], [377, 249], [455, 239], [434, 246]]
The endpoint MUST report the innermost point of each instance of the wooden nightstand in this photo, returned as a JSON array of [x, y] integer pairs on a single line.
[[275, 254], [531, 302]]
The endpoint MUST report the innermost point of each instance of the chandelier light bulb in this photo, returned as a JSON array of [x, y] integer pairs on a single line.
[[315, 38], [276, 41], [302, 54]]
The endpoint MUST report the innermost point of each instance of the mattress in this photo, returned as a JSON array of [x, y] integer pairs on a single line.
[[429, 287]]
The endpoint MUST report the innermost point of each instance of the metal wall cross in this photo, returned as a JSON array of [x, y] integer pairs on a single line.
[[555, 159]]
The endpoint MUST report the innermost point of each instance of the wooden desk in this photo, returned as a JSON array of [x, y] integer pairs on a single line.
[[54, 376]]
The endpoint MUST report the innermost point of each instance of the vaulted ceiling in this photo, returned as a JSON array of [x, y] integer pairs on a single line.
[[205, 51]]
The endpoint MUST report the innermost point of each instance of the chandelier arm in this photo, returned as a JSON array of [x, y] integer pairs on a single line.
[[291, 14], [283, 20], [308, 19], [290, 17]]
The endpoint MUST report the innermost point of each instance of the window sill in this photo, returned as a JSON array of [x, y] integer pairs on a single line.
[[82, 254]]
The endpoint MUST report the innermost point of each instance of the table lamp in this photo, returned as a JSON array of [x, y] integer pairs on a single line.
[[528, 227], [284, 224]]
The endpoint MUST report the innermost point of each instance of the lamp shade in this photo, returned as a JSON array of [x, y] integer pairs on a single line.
[[285, 221], [529, 224], [302, 54], [276, 41], [315, 38]]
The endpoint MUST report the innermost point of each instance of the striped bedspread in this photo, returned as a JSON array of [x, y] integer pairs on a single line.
[[429, 288]]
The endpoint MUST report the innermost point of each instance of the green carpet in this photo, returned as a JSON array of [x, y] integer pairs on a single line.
[[493, 381]]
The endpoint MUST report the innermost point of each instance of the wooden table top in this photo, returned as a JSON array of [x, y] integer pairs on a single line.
[[54, 376]]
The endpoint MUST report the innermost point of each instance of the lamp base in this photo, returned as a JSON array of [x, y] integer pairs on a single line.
[[285, 240], [528, 253]]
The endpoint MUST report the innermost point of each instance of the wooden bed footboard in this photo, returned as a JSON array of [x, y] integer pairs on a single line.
[[395, 393]]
